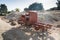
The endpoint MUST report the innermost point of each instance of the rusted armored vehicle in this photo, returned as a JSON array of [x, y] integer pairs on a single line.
[[31, 19]]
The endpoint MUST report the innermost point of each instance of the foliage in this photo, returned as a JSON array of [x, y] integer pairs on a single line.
[[17, 9], [35, 6], [26, 9], [3, 9], [58, 5]]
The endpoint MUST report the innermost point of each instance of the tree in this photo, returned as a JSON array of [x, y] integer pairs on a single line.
[[35, 6], [0, 8], [3, 9], [17, 9], [58, 4], [26, 9]]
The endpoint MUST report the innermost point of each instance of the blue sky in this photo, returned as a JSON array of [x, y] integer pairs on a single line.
[[21, 4]]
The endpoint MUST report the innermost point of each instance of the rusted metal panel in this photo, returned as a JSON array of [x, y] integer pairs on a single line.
[[32, 17], [22, 19]]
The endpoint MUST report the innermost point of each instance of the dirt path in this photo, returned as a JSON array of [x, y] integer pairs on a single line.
[[4, 27], [55, 34]]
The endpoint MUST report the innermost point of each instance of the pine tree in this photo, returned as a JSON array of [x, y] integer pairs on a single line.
[[3, 9], [58, 4]]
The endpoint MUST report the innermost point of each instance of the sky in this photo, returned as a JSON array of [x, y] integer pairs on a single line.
[[21, 4]]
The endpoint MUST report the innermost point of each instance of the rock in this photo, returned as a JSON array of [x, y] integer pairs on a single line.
[[58, 26], [13, 23], [15, 34]]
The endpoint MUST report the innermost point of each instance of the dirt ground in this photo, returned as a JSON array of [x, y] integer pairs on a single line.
[[4, 27], [55, 32]]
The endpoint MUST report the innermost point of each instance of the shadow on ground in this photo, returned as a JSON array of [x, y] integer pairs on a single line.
[[19, 34]]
